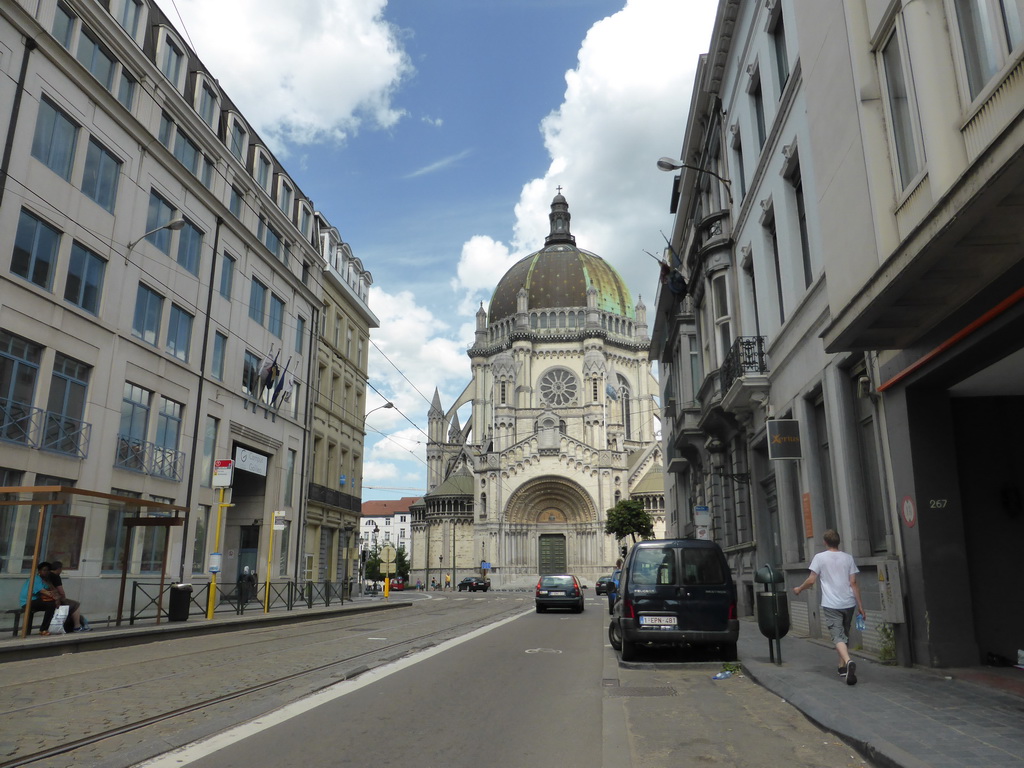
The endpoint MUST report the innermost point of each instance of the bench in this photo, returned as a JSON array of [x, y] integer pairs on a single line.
[[17, 613]]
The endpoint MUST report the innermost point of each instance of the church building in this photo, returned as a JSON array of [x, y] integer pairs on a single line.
[[562, 425]]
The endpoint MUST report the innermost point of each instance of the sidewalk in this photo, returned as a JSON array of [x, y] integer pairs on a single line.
[[898, 716], [102, 636]]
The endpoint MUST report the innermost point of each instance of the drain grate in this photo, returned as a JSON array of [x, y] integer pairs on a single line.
[[638, 692]]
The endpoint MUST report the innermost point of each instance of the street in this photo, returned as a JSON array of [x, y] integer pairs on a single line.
[[453, 680]]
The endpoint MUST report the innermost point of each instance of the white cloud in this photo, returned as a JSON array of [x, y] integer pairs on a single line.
[[341, 76]]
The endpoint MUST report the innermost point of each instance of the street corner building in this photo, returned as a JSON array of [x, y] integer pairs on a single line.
[[561, 426]]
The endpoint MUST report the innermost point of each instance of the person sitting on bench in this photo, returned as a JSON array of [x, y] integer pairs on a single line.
[[44, 598]]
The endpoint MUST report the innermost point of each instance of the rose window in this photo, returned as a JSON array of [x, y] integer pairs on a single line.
[[558, 387]]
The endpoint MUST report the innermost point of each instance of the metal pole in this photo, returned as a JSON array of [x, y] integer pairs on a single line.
[[266, 578], [212, 601]]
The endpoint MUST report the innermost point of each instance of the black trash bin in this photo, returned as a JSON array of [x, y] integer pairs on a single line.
[[181, 596], [772, 608]]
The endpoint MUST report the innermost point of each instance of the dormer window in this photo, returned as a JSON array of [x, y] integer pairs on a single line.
[[171, 57], [263, 171], [285, 196], [130, 16], [207, 104], [237, 138]]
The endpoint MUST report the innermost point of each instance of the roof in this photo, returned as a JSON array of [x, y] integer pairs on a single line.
[[385, 507], [652, 482], [559, 276], [456, 485]]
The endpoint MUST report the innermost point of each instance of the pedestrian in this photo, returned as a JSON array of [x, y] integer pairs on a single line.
[[447, 581], [43, 598], [840, 597], [246, 583], [433, 584], [419, 585], [78, 621]]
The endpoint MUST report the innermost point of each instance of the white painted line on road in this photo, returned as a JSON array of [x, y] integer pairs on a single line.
[[204, 747]]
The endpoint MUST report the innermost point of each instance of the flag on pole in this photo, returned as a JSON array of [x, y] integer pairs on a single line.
[[280, 382]]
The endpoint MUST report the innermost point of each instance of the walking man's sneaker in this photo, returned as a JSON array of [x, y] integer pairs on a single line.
[[842, 671], [851, 673]]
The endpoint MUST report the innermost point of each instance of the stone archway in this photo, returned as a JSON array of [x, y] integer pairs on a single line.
[[550, 500]]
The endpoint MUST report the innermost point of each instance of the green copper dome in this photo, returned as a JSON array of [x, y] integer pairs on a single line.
[[559, 276]]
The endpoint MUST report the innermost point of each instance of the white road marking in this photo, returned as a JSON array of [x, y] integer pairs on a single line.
[[204, 747]]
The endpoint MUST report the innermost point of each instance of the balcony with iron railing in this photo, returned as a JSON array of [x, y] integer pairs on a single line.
[[45, 430], [744, 374], [149, 458]]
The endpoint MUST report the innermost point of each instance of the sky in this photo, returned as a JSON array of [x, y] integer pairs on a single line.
[[433, 134]]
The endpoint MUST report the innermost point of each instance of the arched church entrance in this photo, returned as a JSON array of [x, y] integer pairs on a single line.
[[556, 520]]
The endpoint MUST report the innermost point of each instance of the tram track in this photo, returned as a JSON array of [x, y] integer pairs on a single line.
[[376, 656]]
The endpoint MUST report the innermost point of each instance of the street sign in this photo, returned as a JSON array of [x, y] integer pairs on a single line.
[[223, 471], [280, 513], [388, 568], [280, 527], [215, 562], [388, 554]]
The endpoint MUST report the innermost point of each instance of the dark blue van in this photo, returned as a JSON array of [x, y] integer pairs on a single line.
[[675, 592]]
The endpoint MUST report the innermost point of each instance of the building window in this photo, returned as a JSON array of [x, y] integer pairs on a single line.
[[19, 367], [115, 537], [778, 33], [63, 25], [166, 129], [696, 374], [84, 284], [148, 309], [227, 274], [202, 518], [263, 171], [35, 250], [285, 197], [757, 102], [722, 316], [207, 173], [773, 238], [171, 60], [209, 451], [159, 215], [208, 105], [269, 237], [348, 343], [250, 374], [220, 345], [134, 426], [737, 149], [902, 115], [289, 477], [187, 152], [257, 301], [990, 30], [96, 59], [102, 171], [275, 322], [801, 213], [55, 138], [130, 16], [300, 333], [305, 220], [179, 333], [126, 90], [168, 437], [238, 139], [235, 205], [65, 408], [190, 246]]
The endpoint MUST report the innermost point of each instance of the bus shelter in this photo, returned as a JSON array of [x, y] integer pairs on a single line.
[[58, 514]]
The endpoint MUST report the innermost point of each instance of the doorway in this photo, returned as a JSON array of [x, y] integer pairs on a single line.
[[551, 554]]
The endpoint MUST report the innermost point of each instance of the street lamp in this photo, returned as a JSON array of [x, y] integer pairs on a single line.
[[347, 528], [668, 164], [174, 225], [388, 404]]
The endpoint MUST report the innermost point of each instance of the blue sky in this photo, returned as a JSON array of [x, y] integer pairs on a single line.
[[433, 133]]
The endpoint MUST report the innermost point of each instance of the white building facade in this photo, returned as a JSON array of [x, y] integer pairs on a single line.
[[843, 226]]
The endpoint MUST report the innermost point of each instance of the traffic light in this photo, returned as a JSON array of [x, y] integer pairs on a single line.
[[623, 550]]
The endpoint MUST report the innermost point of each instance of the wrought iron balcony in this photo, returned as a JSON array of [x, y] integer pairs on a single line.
[[62, 434], [746, 357], [35, 428], [149, 458]]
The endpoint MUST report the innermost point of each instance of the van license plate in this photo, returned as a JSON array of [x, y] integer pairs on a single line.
[[657, 621]]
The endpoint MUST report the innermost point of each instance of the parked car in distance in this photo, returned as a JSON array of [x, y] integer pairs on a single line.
[[559, 591], [397, 584], [474, 584], [604, 585], [677, 592]]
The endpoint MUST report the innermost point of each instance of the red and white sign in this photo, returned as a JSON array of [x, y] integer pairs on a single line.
[[909, 511], [223, 473]]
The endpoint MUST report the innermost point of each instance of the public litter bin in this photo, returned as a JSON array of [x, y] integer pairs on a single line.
[[772, 607], [181, 596]]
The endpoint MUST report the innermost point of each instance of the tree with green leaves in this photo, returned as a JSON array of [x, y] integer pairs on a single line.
[[629, 518]]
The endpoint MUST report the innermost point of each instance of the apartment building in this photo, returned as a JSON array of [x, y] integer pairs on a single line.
[[161, 302], [838, 326]]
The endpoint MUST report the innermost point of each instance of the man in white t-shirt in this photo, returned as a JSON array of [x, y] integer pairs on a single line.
[[840, 597]]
